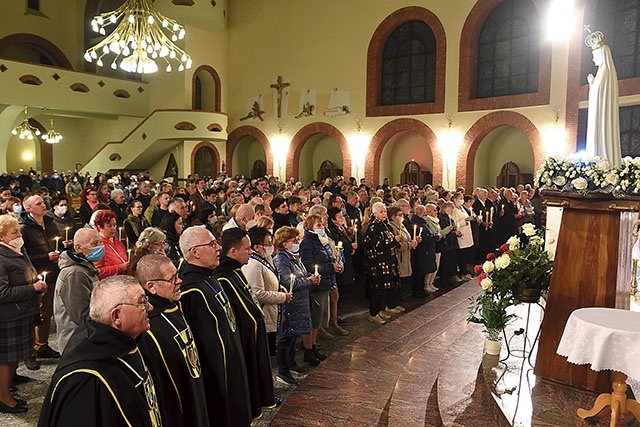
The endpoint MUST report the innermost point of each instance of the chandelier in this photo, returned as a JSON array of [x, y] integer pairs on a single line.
[[52, 137], [24, 130], [142, 37]]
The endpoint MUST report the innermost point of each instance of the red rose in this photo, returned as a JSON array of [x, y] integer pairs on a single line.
[[477, 269], [504, 248], [480, 277], [491, 256]]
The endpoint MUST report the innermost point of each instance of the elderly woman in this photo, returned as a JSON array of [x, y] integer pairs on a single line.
[[380, 246], [116, 258], [172, 226], [295, 316], [261, 274], [407, 244], [150, 242], [317, 256], [135, 222], [19, 289]]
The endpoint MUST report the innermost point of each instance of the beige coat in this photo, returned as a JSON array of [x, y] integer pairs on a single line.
[[265, 284], [466, 240], [404, 253]]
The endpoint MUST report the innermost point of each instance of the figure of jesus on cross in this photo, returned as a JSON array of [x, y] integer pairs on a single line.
[[279, 86]]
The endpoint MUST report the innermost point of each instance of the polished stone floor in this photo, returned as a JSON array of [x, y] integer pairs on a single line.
[[424, 368]]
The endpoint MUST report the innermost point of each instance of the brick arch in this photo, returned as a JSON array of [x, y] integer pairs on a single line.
[[481, 128], [397, 127], [243, 131], [469, 61], [213, 148], [25, 38], [303, 135], [216, 79], [374, 63]]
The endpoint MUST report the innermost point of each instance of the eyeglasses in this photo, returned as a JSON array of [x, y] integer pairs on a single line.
[[294, 240], [143, 305], [211, 243], [173, 279], [92, 194]]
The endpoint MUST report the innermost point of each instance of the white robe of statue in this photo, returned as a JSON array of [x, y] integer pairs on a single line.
[[603, 123]]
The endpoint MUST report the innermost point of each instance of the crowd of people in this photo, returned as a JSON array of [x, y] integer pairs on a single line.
[[170, 300]]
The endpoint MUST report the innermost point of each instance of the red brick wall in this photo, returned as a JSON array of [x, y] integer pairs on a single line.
[[234, 138], [303, 135]]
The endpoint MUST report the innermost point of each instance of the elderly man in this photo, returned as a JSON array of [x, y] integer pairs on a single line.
[[77, 279], [42, 244], [243, 216], [102, 379], [236, 251], [207, 309], [118, 205], [169, 348], [483, 207]]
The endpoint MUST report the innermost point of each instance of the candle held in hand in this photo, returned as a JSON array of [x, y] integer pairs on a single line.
[[293, 278], [66, 234], [57, 239], [316, 270], [415, 229]]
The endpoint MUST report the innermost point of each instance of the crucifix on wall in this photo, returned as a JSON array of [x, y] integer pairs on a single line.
[[281, 94]]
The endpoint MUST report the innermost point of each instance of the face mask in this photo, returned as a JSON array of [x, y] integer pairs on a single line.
[[156, 252], [75, 179], [96, 254], [252, 223], [320, 232], [269, 250], [17, 209], [16, 243], [61, 210], [295, 248], [425, 217]]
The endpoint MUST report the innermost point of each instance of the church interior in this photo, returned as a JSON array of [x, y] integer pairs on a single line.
[[462, 93]]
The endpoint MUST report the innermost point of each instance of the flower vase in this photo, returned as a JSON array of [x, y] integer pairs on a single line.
[[493, 342], [529, 295]]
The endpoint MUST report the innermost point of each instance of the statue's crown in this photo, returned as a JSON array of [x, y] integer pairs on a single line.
[[595, 39]]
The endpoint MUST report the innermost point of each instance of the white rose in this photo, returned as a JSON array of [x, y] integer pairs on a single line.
[[486, 284], [580, 183], [513, 242], [536, 240], [560, 180], [503, 261], [611, 178], [529, 229], [488, 267]]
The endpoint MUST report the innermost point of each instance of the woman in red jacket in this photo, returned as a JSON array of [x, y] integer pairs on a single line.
[[115, 260]]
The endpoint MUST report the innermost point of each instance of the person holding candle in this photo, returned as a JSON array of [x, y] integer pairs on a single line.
[[115, 260], [295, 315], [63, 219], [486, 240], [425, 260], [19, 290], [464, 253], [408, 243], [39, 234], [345, 280]]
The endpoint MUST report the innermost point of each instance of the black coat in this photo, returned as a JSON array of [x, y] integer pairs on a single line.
[[295, 317], [18, 298], [213, 321], [38, 242], [253, 333], [424, 256], [346, 278], [380, 247]]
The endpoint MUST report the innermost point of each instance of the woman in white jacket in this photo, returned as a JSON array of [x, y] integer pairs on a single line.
[[465, 237], [263, 278]]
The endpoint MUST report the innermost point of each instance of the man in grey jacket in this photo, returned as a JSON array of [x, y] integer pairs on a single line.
[[77, 278]]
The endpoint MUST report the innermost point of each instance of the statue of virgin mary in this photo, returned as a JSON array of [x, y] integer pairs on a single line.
[[603, 124]]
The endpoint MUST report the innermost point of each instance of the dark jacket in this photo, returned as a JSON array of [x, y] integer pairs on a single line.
[[344, 279], [280, 221], [449, 242], [133, 226], [424, 256], [295, 318], [38, 242], [312, 253], [120, 211], [61, 225], [380, 247], [18, 299], [172, 245]]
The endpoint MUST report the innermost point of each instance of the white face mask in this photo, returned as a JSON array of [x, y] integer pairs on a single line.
[[17, 209], [269, 250], [61, 210], [16, 243]]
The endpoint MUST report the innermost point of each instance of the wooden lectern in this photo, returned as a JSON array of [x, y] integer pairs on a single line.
[[592, 269]]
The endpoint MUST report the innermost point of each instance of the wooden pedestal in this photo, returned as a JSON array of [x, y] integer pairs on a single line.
[[586, 273]]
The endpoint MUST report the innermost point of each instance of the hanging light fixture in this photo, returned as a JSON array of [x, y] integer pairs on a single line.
[[24, 130], [52, 137], [142, 37]]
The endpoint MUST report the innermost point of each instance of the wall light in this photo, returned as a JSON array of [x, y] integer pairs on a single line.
[[560, 21], [358, 145], [450, 142], [279, 148]]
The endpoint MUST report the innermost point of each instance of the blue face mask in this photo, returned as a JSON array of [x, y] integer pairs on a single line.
[[295, 248], [425, 217], [96, 254]]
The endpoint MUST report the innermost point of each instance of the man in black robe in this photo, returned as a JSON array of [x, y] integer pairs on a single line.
[[484, 209], [102, 379], [236, 251], [169, 348], [508, 215], [207, 309]]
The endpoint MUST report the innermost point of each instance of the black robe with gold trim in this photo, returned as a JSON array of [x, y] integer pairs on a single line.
[[253, 333], [101, 381], [172, 357], [223, 369]]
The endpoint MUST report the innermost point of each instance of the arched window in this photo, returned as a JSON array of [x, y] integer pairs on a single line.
[[409, 65], [204, 162], [619, 20], [509, 50]]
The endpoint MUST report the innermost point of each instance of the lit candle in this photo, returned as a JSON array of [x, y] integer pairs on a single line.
[[355, 233], [57, 239], [180, 263], [66, 234], [127, 240], [491, 214], [420, 232], [128, 255], [415, 229], [120, 233], [316, 270], [44, 276], [293, 278], [481, 218]]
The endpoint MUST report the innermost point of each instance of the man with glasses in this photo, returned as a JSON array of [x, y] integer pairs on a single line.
[[236, 249], [102, 379], [169, 347], [208, 311]]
